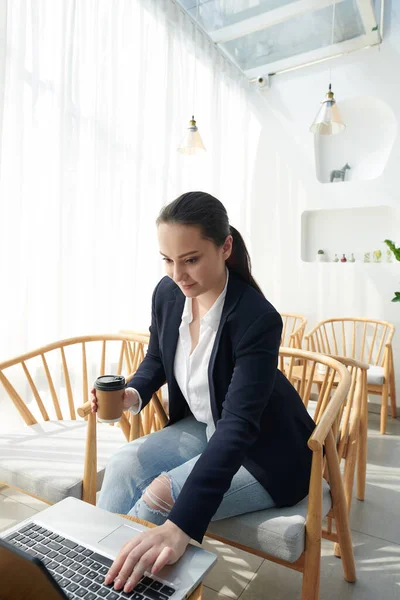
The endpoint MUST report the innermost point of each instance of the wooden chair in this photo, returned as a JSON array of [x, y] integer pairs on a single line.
[[293, 330], [299, 529], [366, 340], [57, 455], [162, 393], [356, 416], [351, 440], [292, 536]]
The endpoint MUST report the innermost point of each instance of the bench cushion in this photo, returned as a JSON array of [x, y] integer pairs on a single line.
[[375, 375], [47, 459], [279, 532]]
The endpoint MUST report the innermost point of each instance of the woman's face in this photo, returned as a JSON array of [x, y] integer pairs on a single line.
[[196, 265]]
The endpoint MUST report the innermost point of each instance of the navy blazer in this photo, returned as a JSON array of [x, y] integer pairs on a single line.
[[261, 422]]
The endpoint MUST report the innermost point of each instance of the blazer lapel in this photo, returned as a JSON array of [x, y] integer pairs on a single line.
[[233, 293], [171, 331]]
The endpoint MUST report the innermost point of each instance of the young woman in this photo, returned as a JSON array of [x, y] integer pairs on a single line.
[[236, 439]]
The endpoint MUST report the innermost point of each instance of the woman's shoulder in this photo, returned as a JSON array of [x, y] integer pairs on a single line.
[[165, 289], [166, 284], [252, 314], [252, 301]]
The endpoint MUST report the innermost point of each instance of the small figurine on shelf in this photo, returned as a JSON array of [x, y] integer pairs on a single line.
[[352, 259], [343, 259], [340, 173], [320, 256], [367, 257], [336, 259], [377, 256], [389, 256]]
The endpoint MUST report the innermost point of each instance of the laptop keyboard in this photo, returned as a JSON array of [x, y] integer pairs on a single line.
[[78, 570]]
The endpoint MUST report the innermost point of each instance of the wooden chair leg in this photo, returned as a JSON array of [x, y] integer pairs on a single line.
[[340, 511], [362, 445], [392, 387], [348, 481], [312, 557], [89, 484], [384, 407], [311, 576], [349, 470]]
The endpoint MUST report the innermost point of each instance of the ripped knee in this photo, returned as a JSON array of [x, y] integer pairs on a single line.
[[159, 496]]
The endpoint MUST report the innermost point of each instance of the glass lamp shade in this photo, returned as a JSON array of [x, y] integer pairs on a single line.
[[191, 142], [328, 120]]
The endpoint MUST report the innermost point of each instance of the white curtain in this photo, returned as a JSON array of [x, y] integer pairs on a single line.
[[97, 95]]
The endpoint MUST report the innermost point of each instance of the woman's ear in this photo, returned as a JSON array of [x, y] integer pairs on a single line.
[[227, 247]]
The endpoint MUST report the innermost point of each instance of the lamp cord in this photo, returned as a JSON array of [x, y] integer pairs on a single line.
[[195, 57], [332, 34]]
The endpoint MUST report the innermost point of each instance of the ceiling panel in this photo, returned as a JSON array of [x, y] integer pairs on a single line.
[[309, 31], [216, 14], [267, 36]]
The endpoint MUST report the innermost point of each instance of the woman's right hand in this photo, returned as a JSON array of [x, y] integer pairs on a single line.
[[131, 398]]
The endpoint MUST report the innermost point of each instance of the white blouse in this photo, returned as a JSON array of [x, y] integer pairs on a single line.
[[191, 370]]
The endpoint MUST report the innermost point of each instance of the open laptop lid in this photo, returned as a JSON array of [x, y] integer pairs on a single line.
[[24, 577]]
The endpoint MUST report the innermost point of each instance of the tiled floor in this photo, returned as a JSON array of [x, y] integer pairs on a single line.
[[375, 526]]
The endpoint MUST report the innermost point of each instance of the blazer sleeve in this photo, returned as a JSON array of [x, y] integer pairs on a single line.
[[256, 360], [150, 375]]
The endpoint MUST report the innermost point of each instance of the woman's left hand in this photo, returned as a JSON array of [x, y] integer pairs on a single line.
[[149, 551]]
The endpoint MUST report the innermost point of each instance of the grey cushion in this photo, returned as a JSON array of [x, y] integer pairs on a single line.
[[47, 459], [375, 375], [279, 532]]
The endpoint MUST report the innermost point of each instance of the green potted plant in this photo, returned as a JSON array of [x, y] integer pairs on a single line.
[[396, 253], [320, 256]]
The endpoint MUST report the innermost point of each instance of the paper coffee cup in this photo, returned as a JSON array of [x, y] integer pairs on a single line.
[[110, 397]]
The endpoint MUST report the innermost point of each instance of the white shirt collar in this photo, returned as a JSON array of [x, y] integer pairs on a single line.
[[212, 317]]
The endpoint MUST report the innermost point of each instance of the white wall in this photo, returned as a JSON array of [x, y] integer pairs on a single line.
[[285, 185], [348, 231], [365, 149], [3, 26]]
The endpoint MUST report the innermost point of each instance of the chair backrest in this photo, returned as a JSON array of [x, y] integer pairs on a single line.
[[52, 381], [302, 372], [293, 330], [349, 430], [301, 369], [364, 340], [331, 400]]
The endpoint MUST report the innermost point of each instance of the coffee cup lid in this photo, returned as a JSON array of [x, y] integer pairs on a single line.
[[110, 383]]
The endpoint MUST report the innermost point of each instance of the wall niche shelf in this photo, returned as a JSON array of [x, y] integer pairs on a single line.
[[348, 230], [365, 145]]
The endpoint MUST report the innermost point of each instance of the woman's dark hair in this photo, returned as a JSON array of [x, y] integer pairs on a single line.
[[209, 214]]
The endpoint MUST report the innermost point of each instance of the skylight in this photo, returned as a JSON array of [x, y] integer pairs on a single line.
[[263, 37]]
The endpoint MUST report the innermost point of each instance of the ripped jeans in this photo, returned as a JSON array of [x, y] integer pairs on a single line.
[[170, 453]]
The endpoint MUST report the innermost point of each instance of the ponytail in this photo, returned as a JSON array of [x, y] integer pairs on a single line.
[[239, 261]]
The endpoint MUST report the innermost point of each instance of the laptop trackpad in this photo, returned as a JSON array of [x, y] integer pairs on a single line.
[[117, 538]]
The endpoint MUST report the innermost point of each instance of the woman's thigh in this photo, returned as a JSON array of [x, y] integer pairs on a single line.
[[136, 464], [245, 493]]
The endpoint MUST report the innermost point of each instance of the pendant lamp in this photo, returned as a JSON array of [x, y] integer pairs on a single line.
[[191, 142], [328, 120]]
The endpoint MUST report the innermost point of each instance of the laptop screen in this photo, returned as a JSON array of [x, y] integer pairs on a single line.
[[24, 577]]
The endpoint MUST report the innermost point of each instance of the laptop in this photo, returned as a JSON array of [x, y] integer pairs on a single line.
[[65, 551]]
